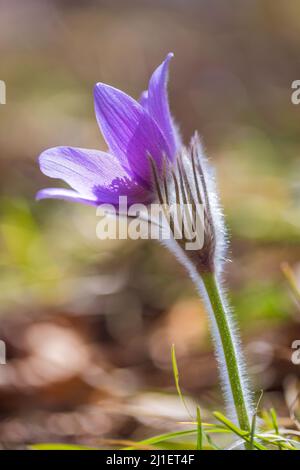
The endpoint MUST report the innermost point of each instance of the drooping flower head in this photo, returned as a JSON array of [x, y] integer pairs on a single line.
[[132, 130]]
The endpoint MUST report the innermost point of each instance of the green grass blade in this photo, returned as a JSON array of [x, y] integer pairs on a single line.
[[236, 430], [275, 440], [176, 378], [59, 446], [212, 444], [274, 420], [165, 437], [275, 424], [199, 430], [253, 423]]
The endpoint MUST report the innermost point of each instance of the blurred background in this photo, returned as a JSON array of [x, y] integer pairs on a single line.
[[89, 324]]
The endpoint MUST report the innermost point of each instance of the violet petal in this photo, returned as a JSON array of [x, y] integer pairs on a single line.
[[144, 99], [62, 193], [158, 104], [131, 134], [95, 176]]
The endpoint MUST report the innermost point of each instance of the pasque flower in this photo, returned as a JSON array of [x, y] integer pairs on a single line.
[[146, 161], [132, 130]]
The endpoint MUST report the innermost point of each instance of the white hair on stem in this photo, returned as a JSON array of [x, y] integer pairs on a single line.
[[192, 180], [174, 248]]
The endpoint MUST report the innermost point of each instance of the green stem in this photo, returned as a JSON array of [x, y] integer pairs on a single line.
[[229, 349]]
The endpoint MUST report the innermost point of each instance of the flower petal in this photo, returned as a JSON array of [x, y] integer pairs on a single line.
[[158, 104], [83, 169], [95, 176], [129, 131], [144, 99], [62, 193], [123, 187]]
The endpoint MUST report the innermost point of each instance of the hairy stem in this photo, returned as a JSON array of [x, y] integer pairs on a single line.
[[234, 379]]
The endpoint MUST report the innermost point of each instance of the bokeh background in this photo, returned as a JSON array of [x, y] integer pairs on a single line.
[[89, 324]]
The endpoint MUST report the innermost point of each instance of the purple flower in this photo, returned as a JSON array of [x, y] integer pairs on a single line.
[[133, 131]]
